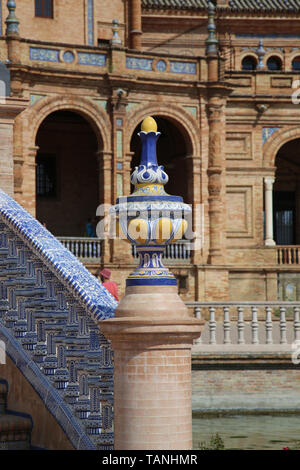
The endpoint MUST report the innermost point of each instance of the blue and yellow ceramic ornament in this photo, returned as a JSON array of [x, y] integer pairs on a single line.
[[150, 218]]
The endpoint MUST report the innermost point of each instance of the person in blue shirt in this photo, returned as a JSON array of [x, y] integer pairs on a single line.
[[90, 229]]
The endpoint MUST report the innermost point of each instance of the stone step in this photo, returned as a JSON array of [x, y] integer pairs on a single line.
[[15, 428]]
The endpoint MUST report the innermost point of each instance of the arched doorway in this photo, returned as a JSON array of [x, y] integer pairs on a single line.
[[286, 194], [67, 176], [173, 146]]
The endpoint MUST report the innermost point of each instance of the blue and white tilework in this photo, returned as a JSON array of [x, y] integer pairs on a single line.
[[49, 299], [83, 285], [90, 18], [139, 63], [88, 58], [267, 132], [183, 67], [45, 55]]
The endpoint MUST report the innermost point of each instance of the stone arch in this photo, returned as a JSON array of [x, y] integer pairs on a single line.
[[277, 140], [96, 117], [247, 54], [275, 55], [175, 113]]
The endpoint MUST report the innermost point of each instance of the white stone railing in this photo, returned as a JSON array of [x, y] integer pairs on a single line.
[[288, 254], [179, 251], [83, 247], [248, 326]]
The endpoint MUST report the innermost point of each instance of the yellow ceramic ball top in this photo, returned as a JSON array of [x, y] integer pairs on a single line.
[[149, 125]]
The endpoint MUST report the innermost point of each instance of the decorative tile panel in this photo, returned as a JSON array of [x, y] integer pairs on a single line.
[[46, 55], [102, 103], [34, 98], [68, 57], [267, 132], [90, 19], [139, 63], [89, 58], [119, 144], [119, 185], [161, 65], [183, 67], [192, 110], [130, 106]]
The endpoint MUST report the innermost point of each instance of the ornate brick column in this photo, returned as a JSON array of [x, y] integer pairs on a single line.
[[215, 173], [136, 24], [217, 92], [194, 196], [152, 332], [29, 180]]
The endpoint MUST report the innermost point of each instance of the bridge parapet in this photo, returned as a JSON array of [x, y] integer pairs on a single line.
[[50, 308]]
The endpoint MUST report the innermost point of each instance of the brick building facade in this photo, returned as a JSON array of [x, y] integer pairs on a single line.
[[224, 93]]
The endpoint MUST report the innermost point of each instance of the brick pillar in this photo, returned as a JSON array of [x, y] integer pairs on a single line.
[[127, 171], [105, 198], [151, 336], [215, 173], [136, 24], [194, 197], [29, 181], [121, 251]]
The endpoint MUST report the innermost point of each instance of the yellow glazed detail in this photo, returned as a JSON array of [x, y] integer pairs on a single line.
[[149, 125]]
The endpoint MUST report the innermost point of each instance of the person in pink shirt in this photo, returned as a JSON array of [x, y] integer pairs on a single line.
[[109, 285]]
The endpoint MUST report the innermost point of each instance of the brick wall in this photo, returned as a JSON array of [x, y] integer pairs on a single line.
[[70, 21], [241, 382]]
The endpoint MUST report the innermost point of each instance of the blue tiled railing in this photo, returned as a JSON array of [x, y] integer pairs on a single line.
[[50, 309]]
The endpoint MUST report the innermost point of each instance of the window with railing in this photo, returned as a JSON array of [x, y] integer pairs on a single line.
[[44, 8]]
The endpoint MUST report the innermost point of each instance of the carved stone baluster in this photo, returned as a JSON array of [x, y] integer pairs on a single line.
[[282, 325], [226, 325], [197, 314], [269, 325], [297, 325], [212, 326], [240, 326], [254, 325]]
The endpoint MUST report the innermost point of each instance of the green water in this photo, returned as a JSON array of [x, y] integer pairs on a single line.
[[249, 432]]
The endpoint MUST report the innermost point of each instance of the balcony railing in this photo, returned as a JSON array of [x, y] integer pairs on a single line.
[[84, 248], [90, 248], [179, 251], [288, 254], [248, 326]]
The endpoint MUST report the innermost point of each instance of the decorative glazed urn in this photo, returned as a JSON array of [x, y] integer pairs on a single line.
[[150, 218]]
